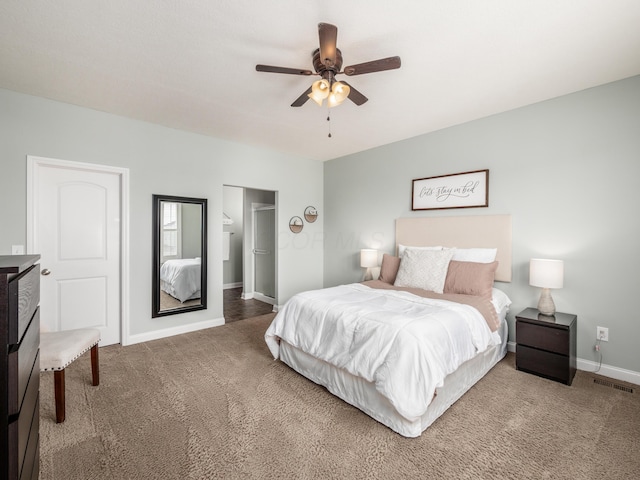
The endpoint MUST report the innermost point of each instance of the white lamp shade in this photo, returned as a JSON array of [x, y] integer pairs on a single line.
[[319, 91], [341, 91], [545, 273], [368, 258]]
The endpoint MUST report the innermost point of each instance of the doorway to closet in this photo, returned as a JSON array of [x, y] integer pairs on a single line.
[[249, 252]]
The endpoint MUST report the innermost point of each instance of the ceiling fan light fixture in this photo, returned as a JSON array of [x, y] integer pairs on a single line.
[[341, 91], [327, 62], [333, 100], [319, 91]]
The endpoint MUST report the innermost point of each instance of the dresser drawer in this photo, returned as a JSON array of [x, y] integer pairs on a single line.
[[24, 296], [21, 428], [543, 337], [31, 471], [31, 463], [22, 364]]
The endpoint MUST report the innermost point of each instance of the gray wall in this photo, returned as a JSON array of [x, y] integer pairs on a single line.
[[163, 161], [567, 171]]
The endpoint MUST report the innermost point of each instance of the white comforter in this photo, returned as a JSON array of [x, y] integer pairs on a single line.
[[404, 344], [181, 278]]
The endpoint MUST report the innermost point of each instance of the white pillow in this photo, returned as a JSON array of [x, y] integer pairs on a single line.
[[426, 269], [499, 299], [402, 248], [478, 255]]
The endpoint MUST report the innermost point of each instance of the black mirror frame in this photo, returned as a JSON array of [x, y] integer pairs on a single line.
[[157, 225]]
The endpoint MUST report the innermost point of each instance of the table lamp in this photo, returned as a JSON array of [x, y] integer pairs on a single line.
[[546, 274], [368, 260]]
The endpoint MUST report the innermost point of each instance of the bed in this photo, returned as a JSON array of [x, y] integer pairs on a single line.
[[180, 278], [401, 353]]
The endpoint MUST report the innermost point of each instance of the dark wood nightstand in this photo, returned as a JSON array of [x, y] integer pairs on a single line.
[[546, 345]]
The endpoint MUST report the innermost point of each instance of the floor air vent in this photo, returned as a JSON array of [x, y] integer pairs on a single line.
[[613, 385]]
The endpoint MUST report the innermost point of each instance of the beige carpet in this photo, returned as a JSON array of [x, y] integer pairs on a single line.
[[214, 404], [167, 302]]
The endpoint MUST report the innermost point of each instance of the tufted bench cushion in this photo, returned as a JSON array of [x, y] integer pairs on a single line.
[[59, 349]]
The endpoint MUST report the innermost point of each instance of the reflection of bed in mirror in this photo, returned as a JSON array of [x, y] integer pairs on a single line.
[[180, 278]]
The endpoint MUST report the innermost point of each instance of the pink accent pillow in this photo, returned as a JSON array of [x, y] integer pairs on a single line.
[[470, 278], [389, 268]]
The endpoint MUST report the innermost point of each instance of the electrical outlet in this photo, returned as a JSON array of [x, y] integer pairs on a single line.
[[17, 249], [602, 333]]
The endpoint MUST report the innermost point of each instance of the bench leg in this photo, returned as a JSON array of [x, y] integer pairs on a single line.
[[95, 366], [58, 380]]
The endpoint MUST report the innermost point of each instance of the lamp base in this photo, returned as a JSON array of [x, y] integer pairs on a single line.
[[367, 275], [372, 273], [545, 304]]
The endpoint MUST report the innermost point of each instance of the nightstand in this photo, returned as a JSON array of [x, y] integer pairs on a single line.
[[546, 345]]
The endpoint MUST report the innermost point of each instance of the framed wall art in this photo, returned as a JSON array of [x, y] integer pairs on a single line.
[[310, 214], [296, 224], [457, 190]]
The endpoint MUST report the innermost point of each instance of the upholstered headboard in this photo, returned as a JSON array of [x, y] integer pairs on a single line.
[[485, 231]]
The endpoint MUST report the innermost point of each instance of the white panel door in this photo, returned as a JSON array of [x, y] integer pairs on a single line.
[[77, 233]]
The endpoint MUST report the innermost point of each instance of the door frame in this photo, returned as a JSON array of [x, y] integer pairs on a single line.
[[255, 207], [34, 163]]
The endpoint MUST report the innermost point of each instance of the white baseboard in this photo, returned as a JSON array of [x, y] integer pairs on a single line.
[[170, 332], [231, 285], [263, 298], [605, 370], [609, 371]]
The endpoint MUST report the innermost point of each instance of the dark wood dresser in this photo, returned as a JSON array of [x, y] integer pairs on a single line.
[[19, 366], [546, 345]]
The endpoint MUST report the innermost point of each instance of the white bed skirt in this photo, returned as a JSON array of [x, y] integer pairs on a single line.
[[363, 394], [168, 288]]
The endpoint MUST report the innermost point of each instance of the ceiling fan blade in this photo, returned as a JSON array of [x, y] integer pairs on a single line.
[[354, 95], [302, 98], [290, 71], [328, 40], [389, 63]]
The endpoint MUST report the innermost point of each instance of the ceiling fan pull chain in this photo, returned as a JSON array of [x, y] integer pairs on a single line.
[[329, 120]]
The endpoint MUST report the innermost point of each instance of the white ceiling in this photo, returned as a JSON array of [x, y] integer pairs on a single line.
[[190, 64]]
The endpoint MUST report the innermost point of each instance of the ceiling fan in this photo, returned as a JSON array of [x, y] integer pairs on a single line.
[[327, 62]]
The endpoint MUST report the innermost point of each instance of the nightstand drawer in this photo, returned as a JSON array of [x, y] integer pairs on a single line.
[[547, 338], [545, 364]]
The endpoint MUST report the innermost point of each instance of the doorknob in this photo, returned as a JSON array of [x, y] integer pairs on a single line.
[[45, 272]]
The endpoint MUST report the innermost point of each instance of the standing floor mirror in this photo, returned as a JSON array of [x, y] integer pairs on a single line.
[[179, 255]]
